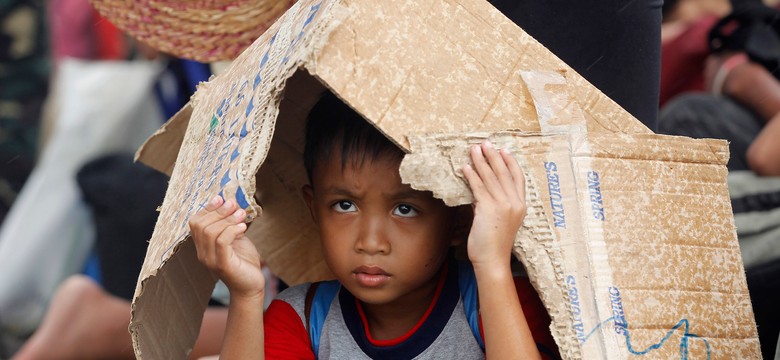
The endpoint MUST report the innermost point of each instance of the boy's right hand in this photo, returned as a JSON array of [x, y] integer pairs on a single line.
[[219, 235]]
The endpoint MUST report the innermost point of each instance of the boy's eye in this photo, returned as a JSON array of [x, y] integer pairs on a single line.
[[404, 211], [344, 206]]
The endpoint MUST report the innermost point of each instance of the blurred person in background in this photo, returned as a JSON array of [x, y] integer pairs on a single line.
[[90, 312], [741, 101], [24, 78], [721, 80]]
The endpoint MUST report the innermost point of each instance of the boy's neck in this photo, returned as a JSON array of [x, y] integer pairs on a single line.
[[396, 319]]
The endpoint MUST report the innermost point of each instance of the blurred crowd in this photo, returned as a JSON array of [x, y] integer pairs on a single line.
[[66, 145], [719, 79], [77, 97]]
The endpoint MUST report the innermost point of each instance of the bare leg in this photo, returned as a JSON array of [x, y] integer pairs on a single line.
[[82, 322], [85, 322], [212, 330]]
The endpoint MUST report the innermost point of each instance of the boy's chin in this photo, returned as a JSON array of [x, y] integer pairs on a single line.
[[371, 296]]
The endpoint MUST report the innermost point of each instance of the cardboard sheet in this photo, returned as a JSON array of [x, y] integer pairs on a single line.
[[639, 257], [629, 239]]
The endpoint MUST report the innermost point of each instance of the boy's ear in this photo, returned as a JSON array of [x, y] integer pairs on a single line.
[[461, 226], [308, 196]]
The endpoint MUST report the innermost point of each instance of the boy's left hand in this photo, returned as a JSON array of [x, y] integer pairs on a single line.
[[498, 185]]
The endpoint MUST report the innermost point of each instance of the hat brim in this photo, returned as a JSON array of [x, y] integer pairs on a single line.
[[204, 31]]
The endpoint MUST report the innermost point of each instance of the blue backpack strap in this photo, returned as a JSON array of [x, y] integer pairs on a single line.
[[467, 283], [317, 310]]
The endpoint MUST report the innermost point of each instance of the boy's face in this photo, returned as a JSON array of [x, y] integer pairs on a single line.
[[383, 240]]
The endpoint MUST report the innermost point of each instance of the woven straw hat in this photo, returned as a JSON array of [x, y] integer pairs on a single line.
[[201, 30]]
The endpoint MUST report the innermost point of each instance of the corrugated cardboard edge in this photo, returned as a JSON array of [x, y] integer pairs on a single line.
[[434, 165], [535, 244], [167, 141], [162, 148]]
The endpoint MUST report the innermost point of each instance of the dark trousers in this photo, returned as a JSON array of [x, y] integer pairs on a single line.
[[614, 44]]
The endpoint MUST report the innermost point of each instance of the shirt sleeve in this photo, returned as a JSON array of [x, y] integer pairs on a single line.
[[537, 317], [285, 335]]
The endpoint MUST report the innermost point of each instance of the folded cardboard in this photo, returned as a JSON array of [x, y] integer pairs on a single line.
[[629, 238], [629, 235]]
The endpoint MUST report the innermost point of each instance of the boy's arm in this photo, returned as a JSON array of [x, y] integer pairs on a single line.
[[244, 331], [756, 88], [498, 185], [218, 234]]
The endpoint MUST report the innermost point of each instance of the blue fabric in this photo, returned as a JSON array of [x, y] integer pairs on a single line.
[[327, 291], [92, 267], [467, 283], [178, 83], [323, 296], [194, 73]]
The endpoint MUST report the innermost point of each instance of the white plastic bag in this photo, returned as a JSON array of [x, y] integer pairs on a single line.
[[101, 107]]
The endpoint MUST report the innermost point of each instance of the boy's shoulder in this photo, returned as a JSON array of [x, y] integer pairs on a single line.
[[295, 296]]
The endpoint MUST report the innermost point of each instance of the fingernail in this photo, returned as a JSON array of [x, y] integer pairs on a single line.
[[239, 214], [488, 144], [215, 200]]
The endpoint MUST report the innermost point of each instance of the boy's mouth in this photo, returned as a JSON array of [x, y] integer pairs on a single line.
[[370, 276]]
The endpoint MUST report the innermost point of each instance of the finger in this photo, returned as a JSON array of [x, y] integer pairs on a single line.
[[498, 163], [204, 209], [223, 249], [227, 208], [480, 156], [204, 247], [214, 203], [213, 230], [475, 183], [211, 233], [206, 218], [518, 176], [197, 224]]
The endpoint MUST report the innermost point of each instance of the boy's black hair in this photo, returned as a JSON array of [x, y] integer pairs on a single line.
[[333, 123]]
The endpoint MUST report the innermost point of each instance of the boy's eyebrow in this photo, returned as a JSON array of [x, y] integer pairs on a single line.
[[409, 194], [336, 190], [400, 195]]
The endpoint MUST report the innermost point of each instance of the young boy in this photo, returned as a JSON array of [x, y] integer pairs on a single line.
[[389, 247]]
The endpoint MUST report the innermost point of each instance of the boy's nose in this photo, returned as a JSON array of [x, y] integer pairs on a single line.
[[372, 238]]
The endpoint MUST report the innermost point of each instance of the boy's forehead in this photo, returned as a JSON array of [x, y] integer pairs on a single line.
[[384, 165], [358, 159], [366, 174]]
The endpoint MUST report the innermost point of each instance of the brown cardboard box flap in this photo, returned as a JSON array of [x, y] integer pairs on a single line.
[[416, 67], [629, 239]]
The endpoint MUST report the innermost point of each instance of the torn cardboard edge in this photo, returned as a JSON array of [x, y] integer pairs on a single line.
[[560, 228], [479, 68]]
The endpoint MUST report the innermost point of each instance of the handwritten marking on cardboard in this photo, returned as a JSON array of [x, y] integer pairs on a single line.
[[622, 328]]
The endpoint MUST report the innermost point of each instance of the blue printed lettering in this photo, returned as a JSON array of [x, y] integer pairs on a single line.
[[241, 94], [596, 202], [556, 198], [617, 311], [576, 309]]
